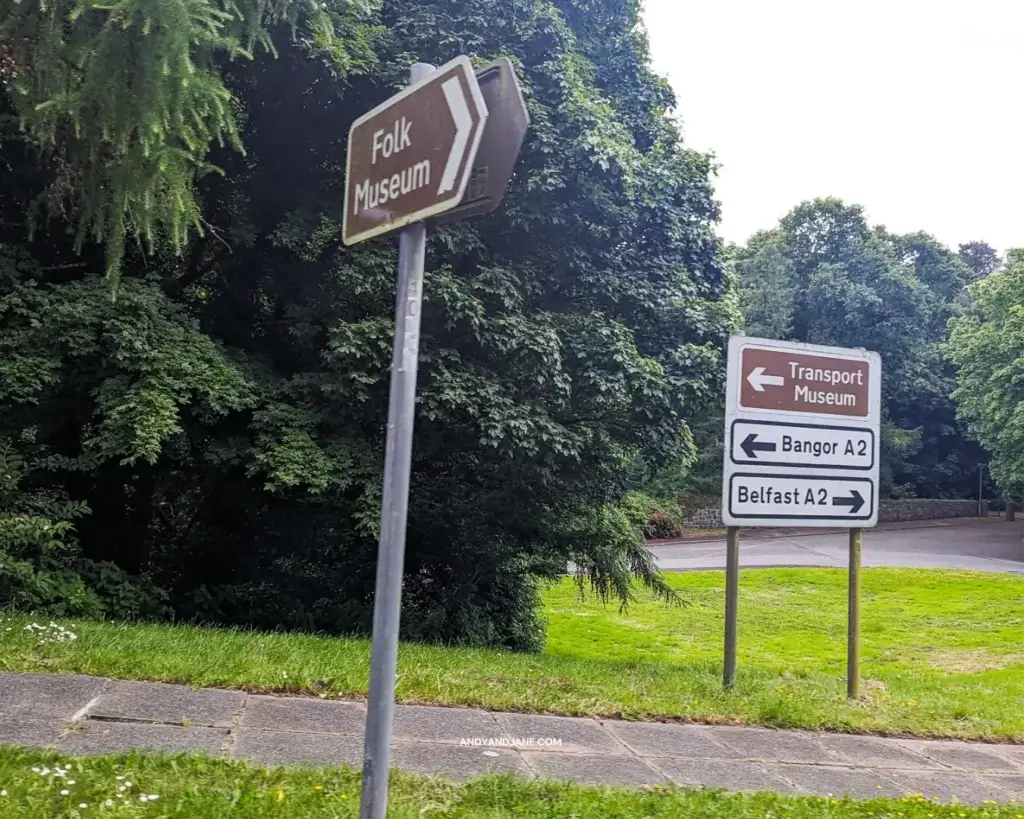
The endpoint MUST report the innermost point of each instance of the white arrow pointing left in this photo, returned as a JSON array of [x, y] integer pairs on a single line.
[[758, 379], [456, 100]]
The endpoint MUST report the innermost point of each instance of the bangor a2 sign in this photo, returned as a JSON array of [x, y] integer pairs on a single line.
[[801, 435]]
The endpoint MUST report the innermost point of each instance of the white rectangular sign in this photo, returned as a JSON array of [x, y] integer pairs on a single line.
[[801, 435], [804, 446], [795, 497]]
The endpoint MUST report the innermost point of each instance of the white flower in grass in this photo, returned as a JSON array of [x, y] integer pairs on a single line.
[[82, 805], [65, 793], [153, 797], [119, 778], [3, 792], [109, 803], [143, 798]]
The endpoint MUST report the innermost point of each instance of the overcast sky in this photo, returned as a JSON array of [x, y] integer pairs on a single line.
[[913, 109]]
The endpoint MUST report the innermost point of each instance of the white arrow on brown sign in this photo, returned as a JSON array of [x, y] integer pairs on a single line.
[[411, 156]]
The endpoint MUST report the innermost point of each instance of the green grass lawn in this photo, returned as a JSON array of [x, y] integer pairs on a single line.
[[942, 655], [191, 787]]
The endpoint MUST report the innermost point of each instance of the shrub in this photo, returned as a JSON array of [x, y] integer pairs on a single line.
[[40, 569]]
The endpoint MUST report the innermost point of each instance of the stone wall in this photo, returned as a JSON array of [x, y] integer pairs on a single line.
[[925, 509], [710, 517]]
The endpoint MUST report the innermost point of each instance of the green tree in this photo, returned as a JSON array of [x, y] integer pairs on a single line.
[[825, 276], [980, 257], [234, 401], [767, 287], [127, 99], [987, 345]]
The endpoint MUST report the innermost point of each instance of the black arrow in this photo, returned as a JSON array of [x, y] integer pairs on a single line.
[[855, 501], [752, 446]]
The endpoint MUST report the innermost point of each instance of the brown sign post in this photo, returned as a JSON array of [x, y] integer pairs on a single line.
[[793, 381], [410, 157]]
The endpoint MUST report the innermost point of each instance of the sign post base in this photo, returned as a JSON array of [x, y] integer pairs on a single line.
[[853, 625], [732, 594]]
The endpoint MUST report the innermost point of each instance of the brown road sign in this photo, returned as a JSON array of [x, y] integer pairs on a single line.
[[791, 381], [410, 157], [507, 122]]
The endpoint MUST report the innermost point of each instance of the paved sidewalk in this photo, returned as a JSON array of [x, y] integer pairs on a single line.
[[91, 715]]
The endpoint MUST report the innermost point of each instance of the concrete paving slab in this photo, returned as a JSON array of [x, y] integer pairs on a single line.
[[451, 725], [764, 743], [294, 714], [659, 739], [36, 710], [825, 780], [576, 736], [594, 769], [948, 786], [21, 730], [961, 755], [47, 695], [291, 748], [100, 737], [456, 762], [873, 752], [170, 704], [730, 774]]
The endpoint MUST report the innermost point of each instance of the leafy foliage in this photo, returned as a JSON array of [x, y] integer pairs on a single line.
[[824, 276], [224, 421], [980, 257], [127, 99], [987, 345]]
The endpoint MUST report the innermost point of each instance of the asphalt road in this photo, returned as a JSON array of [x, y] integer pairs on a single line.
[[969, 543]]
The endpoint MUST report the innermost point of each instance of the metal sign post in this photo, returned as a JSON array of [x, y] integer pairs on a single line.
[[410, 159], [732, 603], [387, 601], [801, 449], [853, 617]]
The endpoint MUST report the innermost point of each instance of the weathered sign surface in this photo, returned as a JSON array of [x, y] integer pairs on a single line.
[[507, 123], [801, 433], [410, 157]]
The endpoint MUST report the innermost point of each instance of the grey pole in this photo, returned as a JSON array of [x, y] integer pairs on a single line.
[[387, 601], [853, 616], [732, 596], [980, 468]]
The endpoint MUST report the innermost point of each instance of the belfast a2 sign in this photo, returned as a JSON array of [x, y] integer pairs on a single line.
[[801, 434]]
